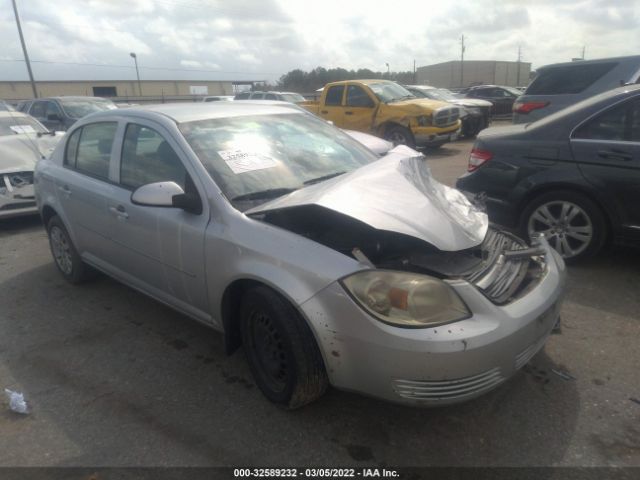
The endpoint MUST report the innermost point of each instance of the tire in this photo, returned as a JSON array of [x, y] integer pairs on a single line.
[[573, 224], [281, 349], [65, 255], [400, 136], [471, 128]]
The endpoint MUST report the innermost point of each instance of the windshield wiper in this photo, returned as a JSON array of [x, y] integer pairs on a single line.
[[399, 99], [323, 178], [263, 194]]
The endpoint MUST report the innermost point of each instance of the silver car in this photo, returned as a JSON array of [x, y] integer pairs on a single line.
[[326, 263]]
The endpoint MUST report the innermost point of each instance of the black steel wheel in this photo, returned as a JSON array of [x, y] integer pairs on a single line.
[[281, 349]]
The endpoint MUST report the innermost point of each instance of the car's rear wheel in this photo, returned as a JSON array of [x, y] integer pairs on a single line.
[[572, 223], [399, 135], [281, 349], [65, 255]]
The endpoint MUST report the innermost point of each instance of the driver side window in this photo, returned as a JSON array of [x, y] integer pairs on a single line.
[[357, 97], [148, 158]]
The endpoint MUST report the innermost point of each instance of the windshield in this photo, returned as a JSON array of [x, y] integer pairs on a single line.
[[81, 108], [271, 154], [14, 125], [390, 92], [5, 107], [293, 97]]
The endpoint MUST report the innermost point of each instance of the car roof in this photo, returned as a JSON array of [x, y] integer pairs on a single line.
[[631, 58], [190, 112], [73, 98], [421, 87]]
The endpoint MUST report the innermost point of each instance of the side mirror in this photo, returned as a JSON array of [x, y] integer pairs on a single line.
[[54, 117], [159, 194], [166, 194]]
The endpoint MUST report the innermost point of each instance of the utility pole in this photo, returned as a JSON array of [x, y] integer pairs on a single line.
[[24, 50], [462, 48], [135, 60], [519, 58], [414, 71], [583, 49]]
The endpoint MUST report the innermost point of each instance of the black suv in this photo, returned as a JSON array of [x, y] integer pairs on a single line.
[[574, 175]]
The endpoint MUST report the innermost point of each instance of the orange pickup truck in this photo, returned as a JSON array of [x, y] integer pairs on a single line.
[[386, 109]]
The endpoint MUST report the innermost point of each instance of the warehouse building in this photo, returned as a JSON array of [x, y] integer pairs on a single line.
[[458, 74], [123, 90]]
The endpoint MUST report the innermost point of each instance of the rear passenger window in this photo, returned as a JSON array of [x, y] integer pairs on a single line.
[[94, 149], [568, 79], [257, 96], [334, 95], [243, 96], [621, 123], [148, 158], [271, 96]]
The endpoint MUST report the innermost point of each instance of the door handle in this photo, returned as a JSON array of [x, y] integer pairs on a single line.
[[324, 112], [66, 190], [348, 113], [119, 212], [615, 153]]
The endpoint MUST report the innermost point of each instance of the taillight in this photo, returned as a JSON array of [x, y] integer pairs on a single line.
[[526, 107], [478, 158]]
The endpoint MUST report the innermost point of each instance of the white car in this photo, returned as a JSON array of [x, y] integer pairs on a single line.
[[23, 141]]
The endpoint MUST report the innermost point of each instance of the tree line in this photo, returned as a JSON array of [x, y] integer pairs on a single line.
[[306, 82]]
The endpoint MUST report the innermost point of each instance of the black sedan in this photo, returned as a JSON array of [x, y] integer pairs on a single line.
[[574, 175], [502, 97]]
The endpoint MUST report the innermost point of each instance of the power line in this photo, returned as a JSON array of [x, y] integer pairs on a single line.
[[141, 68]]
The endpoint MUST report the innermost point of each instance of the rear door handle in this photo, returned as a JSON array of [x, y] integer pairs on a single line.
[[119, 212], [324, 112], [615, 153], [348, 113], [66, 190]]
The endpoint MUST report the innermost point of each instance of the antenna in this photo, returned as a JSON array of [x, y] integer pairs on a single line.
[[462, 49]]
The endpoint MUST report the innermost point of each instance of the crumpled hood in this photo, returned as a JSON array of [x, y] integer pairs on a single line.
[[396, 193], [417, 106], [21, 152]]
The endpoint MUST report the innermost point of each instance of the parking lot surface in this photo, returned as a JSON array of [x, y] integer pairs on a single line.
[[114, 378]]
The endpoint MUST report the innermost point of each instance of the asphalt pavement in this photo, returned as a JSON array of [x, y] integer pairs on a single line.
[[113, 378]]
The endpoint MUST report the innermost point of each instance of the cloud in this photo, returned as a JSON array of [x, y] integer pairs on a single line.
[[251, 39]]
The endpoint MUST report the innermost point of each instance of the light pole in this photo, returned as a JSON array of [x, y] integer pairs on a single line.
[[135, 60], [26, 55]]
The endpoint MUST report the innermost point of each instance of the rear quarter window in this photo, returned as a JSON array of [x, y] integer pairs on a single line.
[[569, 78]]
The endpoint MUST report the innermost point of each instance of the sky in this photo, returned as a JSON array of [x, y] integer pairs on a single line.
[[264, 39]]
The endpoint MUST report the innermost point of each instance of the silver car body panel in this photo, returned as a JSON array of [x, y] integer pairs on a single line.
[[397, 193], [190, 262]]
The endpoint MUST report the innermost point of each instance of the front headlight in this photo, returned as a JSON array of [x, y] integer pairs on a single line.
[[406, 299], [424, 120]]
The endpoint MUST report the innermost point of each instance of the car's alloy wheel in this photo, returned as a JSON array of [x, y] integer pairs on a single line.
[[65, 255], [567, 227], [400, 136], [572, 223], [61, 250]]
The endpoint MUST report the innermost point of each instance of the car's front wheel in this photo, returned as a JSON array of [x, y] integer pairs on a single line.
[[572, 223], [281, 349], [65, 255], [399, 135]]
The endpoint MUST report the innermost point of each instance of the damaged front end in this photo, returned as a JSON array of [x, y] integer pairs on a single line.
[[393, 215], [16, 194]]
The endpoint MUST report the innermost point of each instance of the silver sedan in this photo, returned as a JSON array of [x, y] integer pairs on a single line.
[[324, 262]]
